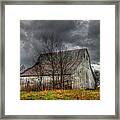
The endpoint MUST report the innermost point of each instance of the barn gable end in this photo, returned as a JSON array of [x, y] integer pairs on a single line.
[[83, 74]]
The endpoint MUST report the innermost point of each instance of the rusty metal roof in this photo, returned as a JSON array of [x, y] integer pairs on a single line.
[[69, 60]]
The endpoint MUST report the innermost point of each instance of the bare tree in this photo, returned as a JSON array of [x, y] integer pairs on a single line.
[[60, 60], [54, 60], [67, 62], [50, 47]]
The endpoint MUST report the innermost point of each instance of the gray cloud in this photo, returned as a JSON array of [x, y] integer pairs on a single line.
[[75, 34]]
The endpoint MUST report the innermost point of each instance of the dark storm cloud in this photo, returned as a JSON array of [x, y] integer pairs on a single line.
[[75, 34]]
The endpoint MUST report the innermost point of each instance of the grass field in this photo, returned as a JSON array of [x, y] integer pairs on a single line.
[[61, 95]]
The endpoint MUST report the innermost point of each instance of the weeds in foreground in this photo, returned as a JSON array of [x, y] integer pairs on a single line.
[[61, 95]]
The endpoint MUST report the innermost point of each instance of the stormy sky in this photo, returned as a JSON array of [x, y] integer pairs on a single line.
[[75, 34]]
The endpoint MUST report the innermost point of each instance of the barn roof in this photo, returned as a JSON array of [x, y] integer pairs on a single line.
[[67, 60]]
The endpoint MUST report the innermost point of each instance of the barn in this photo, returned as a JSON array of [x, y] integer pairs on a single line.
[[70, 69]]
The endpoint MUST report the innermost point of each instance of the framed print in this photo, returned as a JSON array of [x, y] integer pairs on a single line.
[[60, 60]]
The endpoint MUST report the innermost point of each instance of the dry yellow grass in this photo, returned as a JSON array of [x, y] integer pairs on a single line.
[[61, 95]]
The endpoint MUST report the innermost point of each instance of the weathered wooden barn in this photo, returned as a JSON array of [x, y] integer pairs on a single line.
[[64, 69]]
